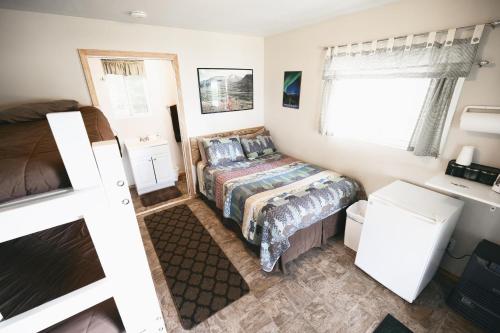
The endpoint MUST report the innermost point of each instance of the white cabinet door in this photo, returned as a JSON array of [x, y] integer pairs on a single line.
[[144, 174], [163, 168]]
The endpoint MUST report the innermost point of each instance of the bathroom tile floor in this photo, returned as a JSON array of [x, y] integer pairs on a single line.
[[181, 185]]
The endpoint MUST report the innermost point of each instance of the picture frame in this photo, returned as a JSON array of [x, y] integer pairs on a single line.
[[225, 89], [291, 89]]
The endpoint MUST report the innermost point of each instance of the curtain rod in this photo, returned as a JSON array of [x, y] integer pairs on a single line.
[[117, 58], [492, 24]]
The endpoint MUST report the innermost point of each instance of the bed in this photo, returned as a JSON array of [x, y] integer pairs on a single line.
[[279, 205], [29, 160], [45, 265]]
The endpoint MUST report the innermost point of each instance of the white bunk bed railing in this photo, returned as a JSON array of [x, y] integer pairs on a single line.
[[100, 195]]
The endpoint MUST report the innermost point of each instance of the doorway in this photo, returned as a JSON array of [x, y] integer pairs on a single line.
[[140, 95]]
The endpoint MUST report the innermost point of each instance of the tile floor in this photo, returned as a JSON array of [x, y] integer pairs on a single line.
[[323, 292], [139, 208]]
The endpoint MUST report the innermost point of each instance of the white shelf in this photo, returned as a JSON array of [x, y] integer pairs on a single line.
[[465, 188]]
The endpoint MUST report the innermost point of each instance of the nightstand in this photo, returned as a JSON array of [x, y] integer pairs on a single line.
[[151, 165]]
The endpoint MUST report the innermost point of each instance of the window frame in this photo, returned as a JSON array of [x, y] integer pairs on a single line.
[[452, 109]]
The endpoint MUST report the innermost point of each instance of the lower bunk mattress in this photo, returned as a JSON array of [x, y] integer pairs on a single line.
[[275, 196], [40, 267]]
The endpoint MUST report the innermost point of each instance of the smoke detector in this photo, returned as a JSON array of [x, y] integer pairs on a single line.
[[138, 14]]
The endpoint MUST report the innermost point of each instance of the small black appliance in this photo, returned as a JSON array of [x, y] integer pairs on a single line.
[[476, 172], [477, 295]]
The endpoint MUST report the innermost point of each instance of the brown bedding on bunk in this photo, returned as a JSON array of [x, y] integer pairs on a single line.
[[29, 160], [42, 266]]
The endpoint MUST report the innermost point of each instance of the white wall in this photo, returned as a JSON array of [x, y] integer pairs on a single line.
[[39, 60], [296, 131], [161, 90]]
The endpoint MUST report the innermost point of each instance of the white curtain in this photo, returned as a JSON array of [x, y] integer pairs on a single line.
[[439, 57], [426, 137]]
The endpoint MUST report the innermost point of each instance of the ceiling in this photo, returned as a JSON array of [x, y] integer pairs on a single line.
[[251, 17]]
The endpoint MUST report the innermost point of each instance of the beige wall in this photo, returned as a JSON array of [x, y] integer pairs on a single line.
[[296, 131], [39, 60]]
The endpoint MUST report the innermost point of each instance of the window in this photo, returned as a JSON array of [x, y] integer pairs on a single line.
[[399, 91], [127, 94], [382, 111]]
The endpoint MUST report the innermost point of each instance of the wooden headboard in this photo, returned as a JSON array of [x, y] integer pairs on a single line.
[[195, 151]]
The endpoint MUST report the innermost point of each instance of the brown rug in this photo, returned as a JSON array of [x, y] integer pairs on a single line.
[[200, 277], [165, 194]]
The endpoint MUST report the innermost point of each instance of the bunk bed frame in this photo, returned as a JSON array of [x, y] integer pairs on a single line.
[[100, 195]]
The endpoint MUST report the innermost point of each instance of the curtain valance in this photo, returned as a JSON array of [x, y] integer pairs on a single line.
[[437, 61], [123, 67], [437, 55]]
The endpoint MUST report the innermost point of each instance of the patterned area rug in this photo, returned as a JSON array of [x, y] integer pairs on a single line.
[[165, 194], [391, 325], [199, 276]]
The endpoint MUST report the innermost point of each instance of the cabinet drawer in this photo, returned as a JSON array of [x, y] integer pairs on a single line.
[[148, 152], [159, 150]]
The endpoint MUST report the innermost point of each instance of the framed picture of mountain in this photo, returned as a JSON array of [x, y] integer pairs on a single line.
[[225, 89], [291, 89]]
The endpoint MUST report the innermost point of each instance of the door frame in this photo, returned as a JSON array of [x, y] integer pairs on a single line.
[[172, 57]]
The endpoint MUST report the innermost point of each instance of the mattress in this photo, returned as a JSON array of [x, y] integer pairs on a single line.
[[273, 197], [29, 160], [40, 267]]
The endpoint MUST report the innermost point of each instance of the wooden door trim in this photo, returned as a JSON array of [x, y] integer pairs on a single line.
[[186, 151]]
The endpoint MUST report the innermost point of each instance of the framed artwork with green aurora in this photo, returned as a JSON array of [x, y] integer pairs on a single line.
[[291, 89]]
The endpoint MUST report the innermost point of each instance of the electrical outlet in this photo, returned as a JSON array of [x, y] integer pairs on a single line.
[[451, 244]]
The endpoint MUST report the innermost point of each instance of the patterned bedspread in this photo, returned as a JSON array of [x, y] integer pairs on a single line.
[[274, 196]]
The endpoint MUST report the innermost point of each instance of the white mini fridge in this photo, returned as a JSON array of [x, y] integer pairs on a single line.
[[406, 231]]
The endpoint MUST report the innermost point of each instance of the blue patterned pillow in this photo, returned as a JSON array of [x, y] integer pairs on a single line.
[[223, 150], [260, 146]]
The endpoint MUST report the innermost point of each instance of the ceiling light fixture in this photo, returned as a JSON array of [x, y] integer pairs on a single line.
[[138, 14]]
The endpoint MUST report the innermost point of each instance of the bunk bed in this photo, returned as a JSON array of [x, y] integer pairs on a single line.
[[62, 268]]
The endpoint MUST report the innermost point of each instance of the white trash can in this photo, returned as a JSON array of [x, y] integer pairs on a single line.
[[354, 224]]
